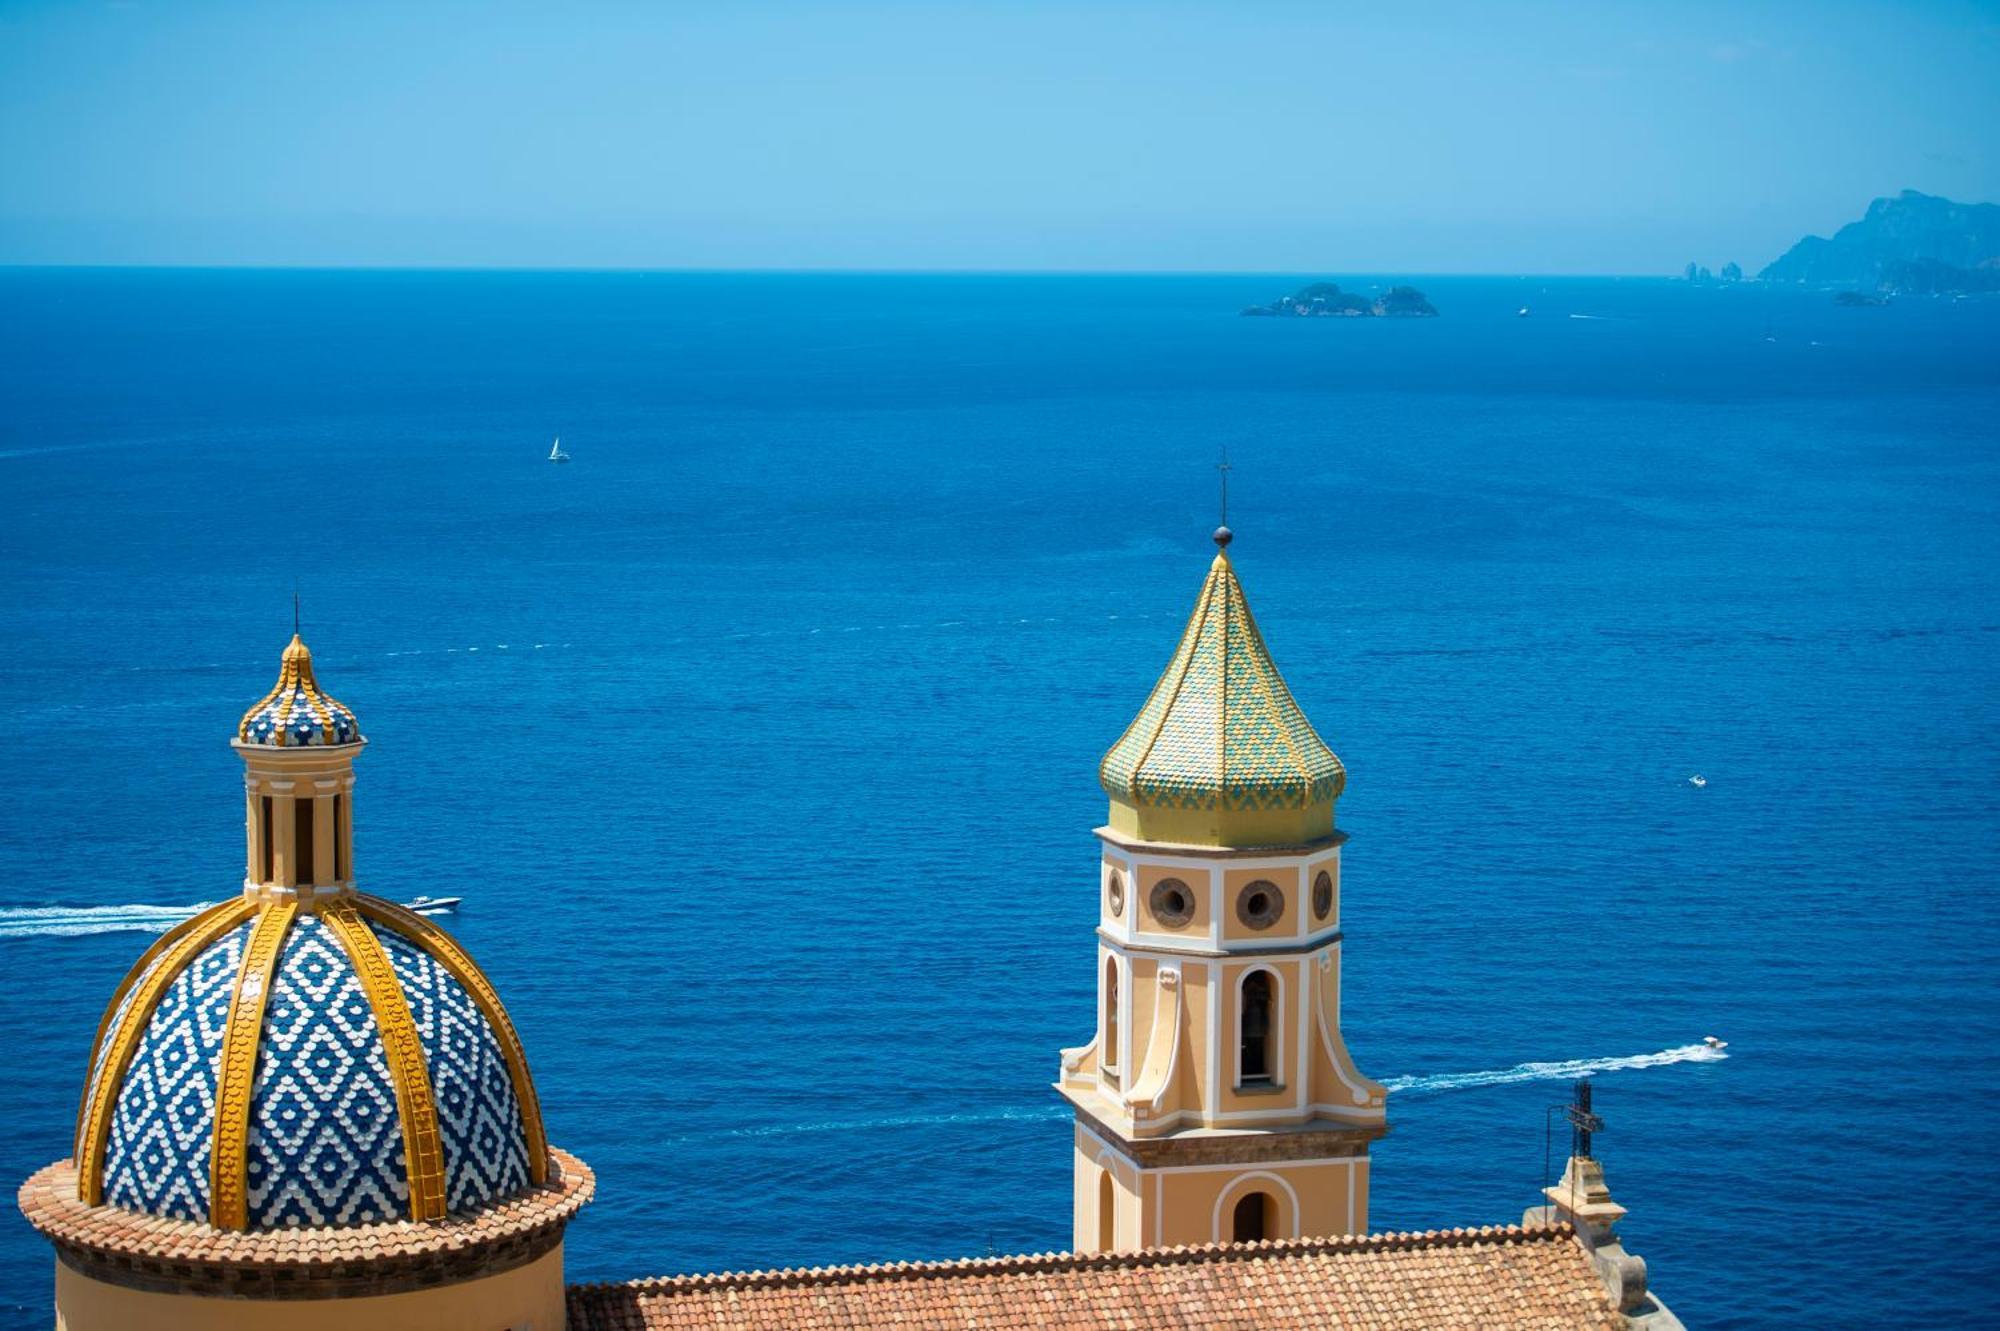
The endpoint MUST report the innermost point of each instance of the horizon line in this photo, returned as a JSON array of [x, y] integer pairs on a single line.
[[811, 270]]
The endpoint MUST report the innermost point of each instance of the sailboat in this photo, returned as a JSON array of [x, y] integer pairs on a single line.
[[556, 453]]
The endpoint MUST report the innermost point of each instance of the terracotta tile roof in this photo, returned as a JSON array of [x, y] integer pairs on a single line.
[[299, 1262], [1493, 1279]]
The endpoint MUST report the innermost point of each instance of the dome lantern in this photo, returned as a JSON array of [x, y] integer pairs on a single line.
[[298, 746]]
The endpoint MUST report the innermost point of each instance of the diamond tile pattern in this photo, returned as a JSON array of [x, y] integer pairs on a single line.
[[325, 1144], [157, 1156], [479, 1119], [1221, 730]]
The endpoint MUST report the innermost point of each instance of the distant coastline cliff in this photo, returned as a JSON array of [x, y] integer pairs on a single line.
[[1325, 300], [1914, 244]]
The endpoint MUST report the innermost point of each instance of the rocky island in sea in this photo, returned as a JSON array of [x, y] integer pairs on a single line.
[[1325, 300], [1914, 244]]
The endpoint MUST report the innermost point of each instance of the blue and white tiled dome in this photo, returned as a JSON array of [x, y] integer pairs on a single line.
[[269, 1064], [295, 713]]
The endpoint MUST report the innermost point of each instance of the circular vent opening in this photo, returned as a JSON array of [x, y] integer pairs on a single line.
[[1260, 904], [1173, 903]]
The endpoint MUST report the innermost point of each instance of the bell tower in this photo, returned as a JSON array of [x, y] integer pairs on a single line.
[[1217, 1101]]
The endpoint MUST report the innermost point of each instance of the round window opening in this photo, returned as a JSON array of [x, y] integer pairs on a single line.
[[1115, 893], [1173, 903], [1260, 905], [1322, 895]]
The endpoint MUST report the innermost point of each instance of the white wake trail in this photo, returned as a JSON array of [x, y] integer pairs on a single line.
[[74, 921], [1566, 1070], [1039, 1115]]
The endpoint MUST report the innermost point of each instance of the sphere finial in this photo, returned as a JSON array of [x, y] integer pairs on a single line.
[[1223, 536]]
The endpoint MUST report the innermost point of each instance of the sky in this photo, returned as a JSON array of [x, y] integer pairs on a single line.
[[1605, 137]]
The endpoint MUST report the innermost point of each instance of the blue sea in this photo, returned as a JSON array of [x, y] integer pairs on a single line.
[[761, 739]]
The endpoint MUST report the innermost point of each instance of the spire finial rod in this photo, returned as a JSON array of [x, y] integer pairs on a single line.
[[1222, 469], [295, 608]]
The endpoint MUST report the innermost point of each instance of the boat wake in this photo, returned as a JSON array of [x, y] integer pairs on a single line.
[[1566, 1070], [74, 921], [1041, 1114]]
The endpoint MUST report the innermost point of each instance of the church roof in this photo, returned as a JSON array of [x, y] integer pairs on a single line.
[[271, 1064], [1221, 733], [1496, 1279], [295, 713]]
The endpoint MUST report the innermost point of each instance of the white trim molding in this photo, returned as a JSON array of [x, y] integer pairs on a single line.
[[1233, 1190]]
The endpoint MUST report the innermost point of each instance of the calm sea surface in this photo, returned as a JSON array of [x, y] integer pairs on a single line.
[[761, 739]]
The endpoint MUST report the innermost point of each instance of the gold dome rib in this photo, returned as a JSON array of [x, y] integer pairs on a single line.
[[139, 968], [446, 952], [236, 1069], [94, 1123], [423, 1151]]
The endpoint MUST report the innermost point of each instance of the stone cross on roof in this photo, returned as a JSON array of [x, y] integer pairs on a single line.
[[1582, 1122]]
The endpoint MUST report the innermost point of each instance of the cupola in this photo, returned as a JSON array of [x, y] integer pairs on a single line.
[[305, 1095], [298, 746], [295, 714]]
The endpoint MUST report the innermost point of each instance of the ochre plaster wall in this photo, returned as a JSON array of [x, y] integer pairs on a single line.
[[1188, 1209], [527, 1298]]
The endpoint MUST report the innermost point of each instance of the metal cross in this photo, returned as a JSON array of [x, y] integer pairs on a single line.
[[1581, 1121]]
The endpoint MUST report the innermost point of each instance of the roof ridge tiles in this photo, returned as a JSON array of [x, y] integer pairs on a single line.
[[1025, 1263]]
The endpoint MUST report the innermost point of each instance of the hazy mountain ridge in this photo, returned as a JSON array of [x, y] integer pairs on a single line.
[[1914, 242]]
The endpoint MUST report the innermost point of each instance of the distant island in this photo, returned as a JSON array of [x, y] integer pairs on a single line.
[[1914, 244], [1325, 300], [1731, 272]]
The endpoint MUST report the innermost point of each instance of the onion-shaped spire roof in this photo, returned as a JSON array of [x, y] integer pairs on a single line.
[[331, 1062], [1222, 754], [295, 713]]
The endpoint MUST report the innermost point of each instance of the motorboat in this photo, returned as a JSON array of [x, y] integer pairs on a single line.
[[433, 905], [1697, 780]]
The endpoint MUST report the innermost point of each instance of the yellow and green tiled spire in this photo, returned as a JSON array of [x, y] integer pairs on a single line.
[[1221, 754]]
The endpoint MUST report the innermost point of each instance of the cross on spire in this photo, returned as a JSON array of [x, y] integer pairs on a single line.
[[1582, 1122]]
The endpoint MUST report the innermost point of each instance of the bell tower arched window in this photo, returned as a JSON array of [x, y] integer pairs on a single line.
[[1255, 1218], [1111, 1031], [1254, 1031], [1107, 1212]]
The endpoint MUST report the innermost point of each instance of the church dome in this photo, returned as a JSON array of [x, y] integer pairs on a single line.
[[1221, 753], [295, 713], [332, 1062]]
